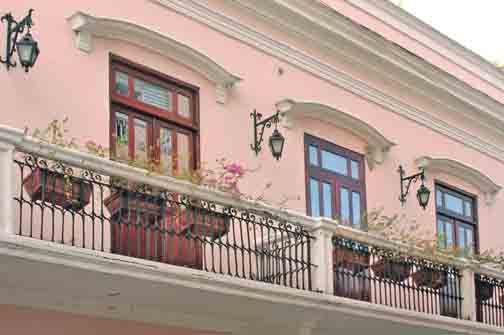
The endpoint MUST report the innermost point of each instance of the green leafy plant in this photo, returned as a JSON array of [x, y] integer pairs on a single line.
[[422, 239]]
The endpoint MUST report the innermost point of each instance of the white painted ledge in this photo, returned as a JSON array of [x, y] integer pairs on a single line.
[[88, 27], [474, 177], [377, 144]]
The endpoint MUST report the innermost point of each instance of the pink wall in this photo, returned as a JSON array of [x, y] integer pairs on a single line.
[[27, 321], [68, 82]]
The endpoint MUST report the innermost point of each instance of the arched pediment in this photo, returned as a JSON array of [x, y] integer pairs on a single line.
[[377, 144], [474, 177], [87, 27]]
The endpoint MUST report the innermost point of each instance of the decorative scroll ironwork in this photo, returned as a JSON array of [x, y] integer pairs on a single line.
[[79, 207], [489, 300], [386, 277]]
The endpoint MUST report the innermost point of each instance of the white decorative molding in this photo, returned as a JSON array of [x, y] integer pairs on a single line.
[[238, 31], [87, 27], [477, 65], [377, 145], [326, 29], [474, 177]]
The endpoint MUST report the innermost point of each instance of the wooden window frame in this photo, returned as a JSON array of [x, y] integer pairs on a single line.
[[153, 115], [455, 218], [336, 180]]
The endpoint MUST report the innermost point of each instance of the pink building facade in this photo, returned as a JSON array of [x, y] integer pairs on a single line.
[[361, 88]]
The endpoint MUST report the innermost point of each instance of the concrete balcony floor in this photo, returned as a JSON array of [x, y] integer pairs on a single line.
[[49, 276]]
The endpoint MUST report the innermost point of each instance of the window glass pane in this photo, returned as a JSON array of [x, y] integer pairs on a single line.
[[122, 136], [183, 152], [461, 238], [468, 208], [355, 169], [344, 206], [140, 128], [313, 152], [441, 234], [334, 163], [121, 83], [314, 197], [356, 209], [439, 198], [454, 204], [184, 106], [153, 95], [470, 239], [449, 235], [166, 150], [327, 198]]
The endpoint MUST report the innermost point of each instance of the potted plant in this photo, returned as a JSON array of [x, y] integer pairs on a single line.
[[350, 259], [429, 278], [484, 290], [204, 222], [396, 270], [52, 186], [61, 190]]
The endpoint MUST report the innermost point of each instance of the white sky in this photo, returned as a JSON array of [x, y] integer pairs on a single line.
[[476, 24]]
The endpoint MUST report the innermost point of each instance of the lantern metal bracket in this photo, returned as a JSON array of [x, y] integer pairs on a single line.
[[14, 28], [262, 124], [408, 180]]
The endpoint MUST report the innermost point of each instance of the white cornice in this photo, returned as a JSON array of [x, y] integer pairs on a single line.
[[477, 65], [474, 177], [87, 26], [377, 144], [234, 29], [326, 29]]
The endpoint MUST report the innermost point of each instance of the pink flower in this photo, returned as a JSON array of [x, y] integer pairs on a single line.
[[235, 168]]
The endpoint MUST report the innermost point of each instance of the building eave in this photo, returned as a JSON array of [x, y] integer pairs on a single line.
[[382, 9], [345, 39]]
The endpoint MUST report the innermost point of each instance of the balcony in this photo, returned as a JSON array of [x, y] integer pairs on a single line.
[[87, 235]]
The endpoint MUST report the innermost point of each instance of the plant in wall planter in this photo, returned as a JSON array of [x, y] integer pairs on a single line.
[[350, 259], [484, 291], [204, 222], [393, 269], [430, 278], [58, 188]]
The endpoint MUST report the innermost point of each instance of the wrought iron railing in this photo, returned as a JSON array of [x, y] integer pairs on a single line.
[[78, 207], [385, 277], [489, 300]]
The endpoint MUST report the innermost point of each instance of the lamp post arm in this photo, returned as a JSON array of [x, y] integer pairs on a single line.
[[14, 28], [260, 126], [410, 179]]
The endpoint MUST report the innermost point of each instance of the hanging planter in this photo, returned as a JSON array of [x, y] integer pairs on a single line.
[[201, 221], [61, 190], [484, 290], [396, 270], [142, 226], [350, 259], [130, 215], [429, 278]]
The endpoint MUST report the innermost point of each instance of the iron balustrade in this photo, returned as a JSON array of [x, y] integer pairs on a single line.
[[78, 207], [489, 300], [385, 277]]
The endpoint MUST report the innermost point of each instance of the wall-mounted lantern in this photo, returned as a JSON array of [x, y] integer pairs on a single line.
[[27, 48], [276, 140], [423, 193]]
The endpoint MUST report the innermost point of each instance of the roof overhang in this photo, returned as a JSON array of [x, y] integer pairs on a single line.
[[328, 30]]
